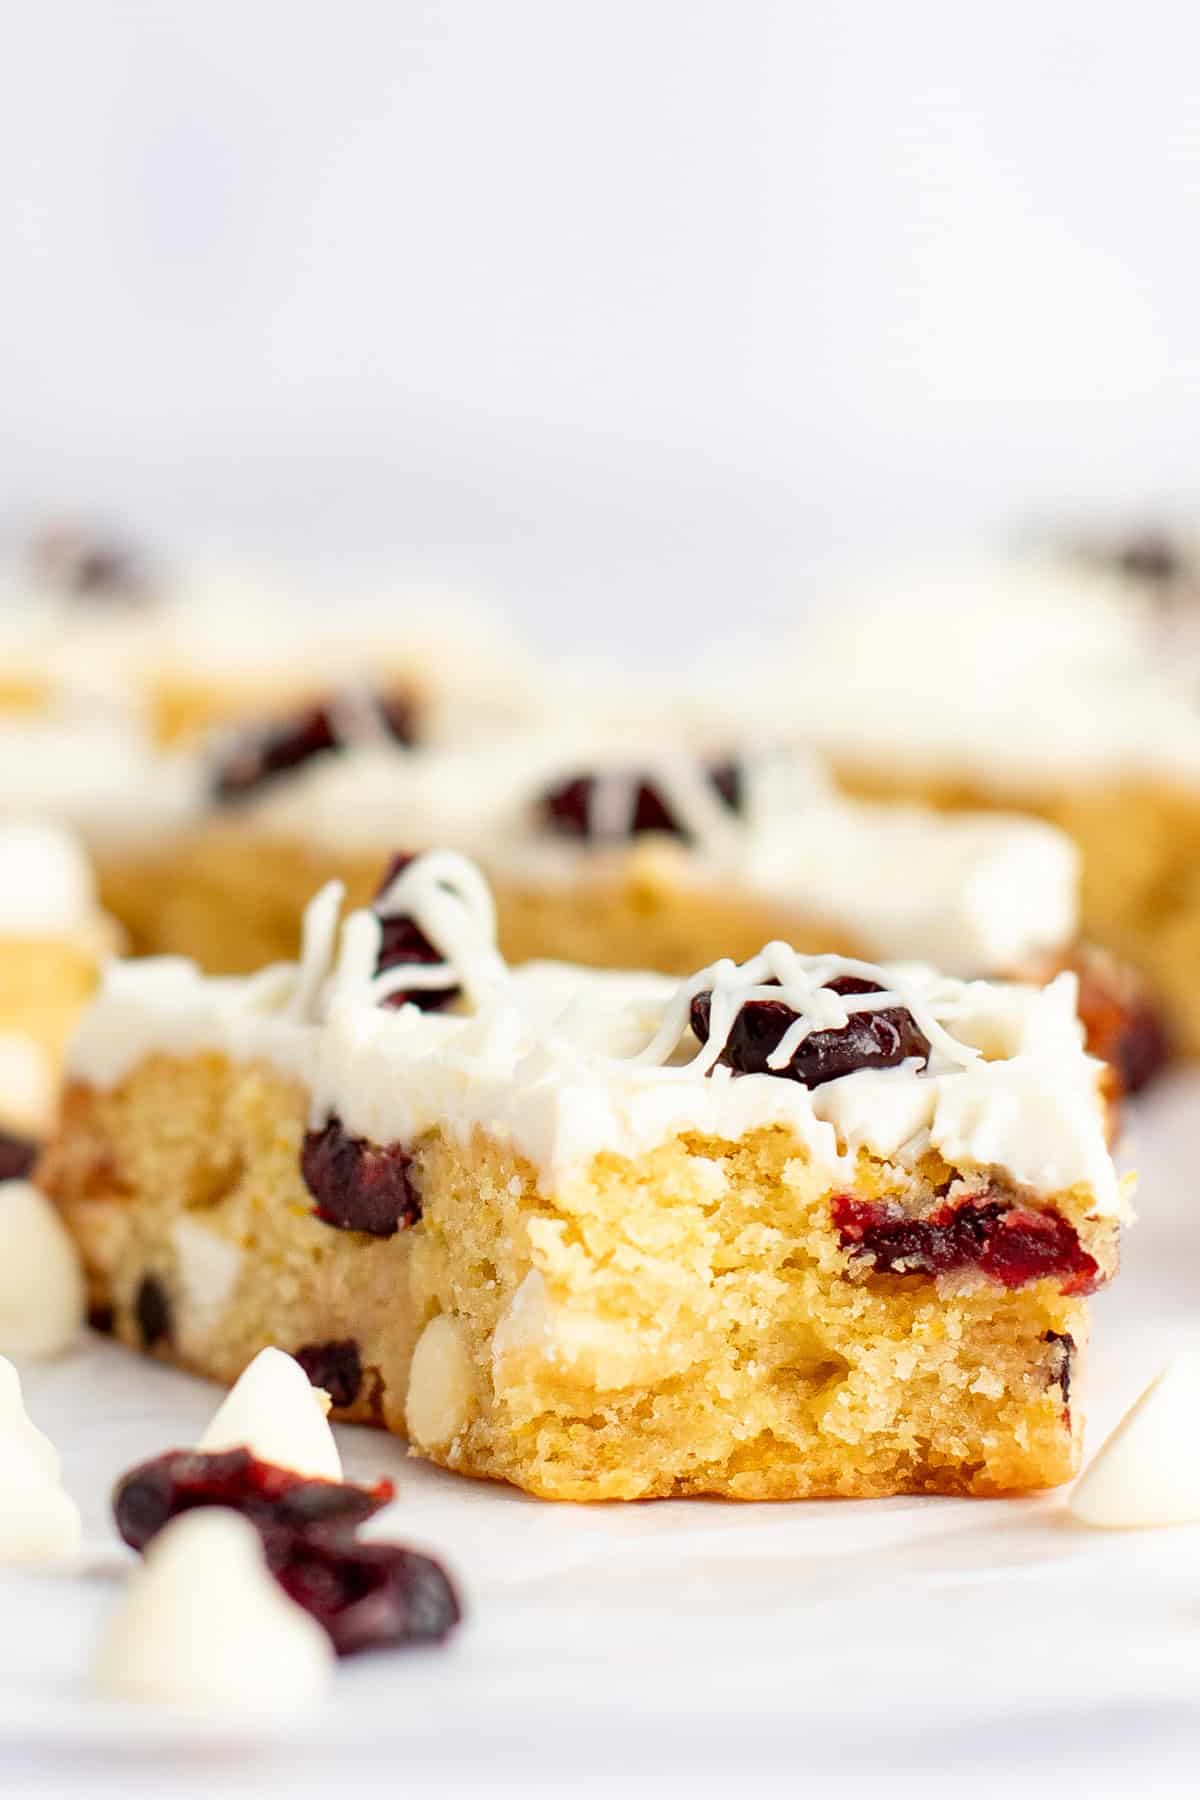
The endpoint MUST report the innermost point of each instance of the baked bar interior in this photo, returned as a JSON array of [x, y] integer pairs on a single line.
[[799, 1226]]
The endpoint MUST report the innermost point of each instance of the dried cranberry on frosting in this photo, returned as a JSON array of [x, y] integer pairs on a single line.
[[576, 807], [869, 1040], [402, 944], [263, 754]]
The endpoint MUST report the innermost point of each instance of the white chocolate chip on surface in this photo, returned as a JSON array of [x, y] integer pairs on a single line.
[[17, 1427], [42, 1292], [275, 1412], [204, 1627], [1147, 1472], [39, 1521]]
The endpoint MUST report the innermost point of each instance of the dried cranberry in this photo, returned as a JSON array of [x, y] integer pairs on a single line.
[[336, 1367], [103, 1319], [1142, 1049], [357, 1185], [152, 1311], [567, 807], [1126, 1031], [1062, 1358], [403, 943], [1123, 1025], [17, 1156], [366, 1596], [275, 749], [1009, 1244], [369, 1596], [871, 1040], [277, 1501]]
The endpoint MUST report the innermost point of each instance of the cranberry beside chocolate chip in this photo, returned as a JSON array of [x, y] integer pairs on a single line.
[[262, 755], [357, 1185], [366, 1595], [276, 1501], [870, 1040], [404, 944], [567, 808], [336, 1367]]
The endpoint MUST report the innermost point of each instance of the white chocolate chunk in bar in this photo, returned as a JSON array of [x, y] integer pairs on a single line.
[[440, 1386], [208, 1269], [276, 1414], [1147, 1472], [42, 1297], [204, 1627]]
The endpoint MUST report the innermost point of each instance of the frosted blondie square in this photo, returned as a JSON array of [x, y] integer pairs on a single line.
[[799, 1226]]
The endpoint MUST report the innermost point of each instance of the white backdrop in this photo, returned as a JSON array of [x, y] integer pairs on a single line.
[[630, 310]]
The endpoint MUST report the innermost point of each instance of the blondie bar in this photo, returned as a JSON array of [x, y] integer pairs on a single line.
[[804, 1225]]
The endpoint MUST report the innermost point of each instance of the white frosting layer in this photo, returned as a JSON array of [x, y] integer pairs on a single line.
[[566, 1063], [242, 625], [98, 773], [973, 893], [1014, 673], [46, 886]]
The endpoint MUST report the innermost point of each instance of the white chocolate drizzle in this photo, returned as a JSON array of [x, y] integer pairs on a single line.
[[451, 904], [357, 716], [779, 973], [975, 893], [686, 789]]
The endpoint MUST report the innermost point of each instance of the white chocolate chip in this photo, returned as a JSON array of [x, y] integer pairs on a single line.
[[440, 1384], [39, 1522], [275, 1412], [16, 1425], [1148, 1472], [203, 1626], [42, 1292], [208, 1267]]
